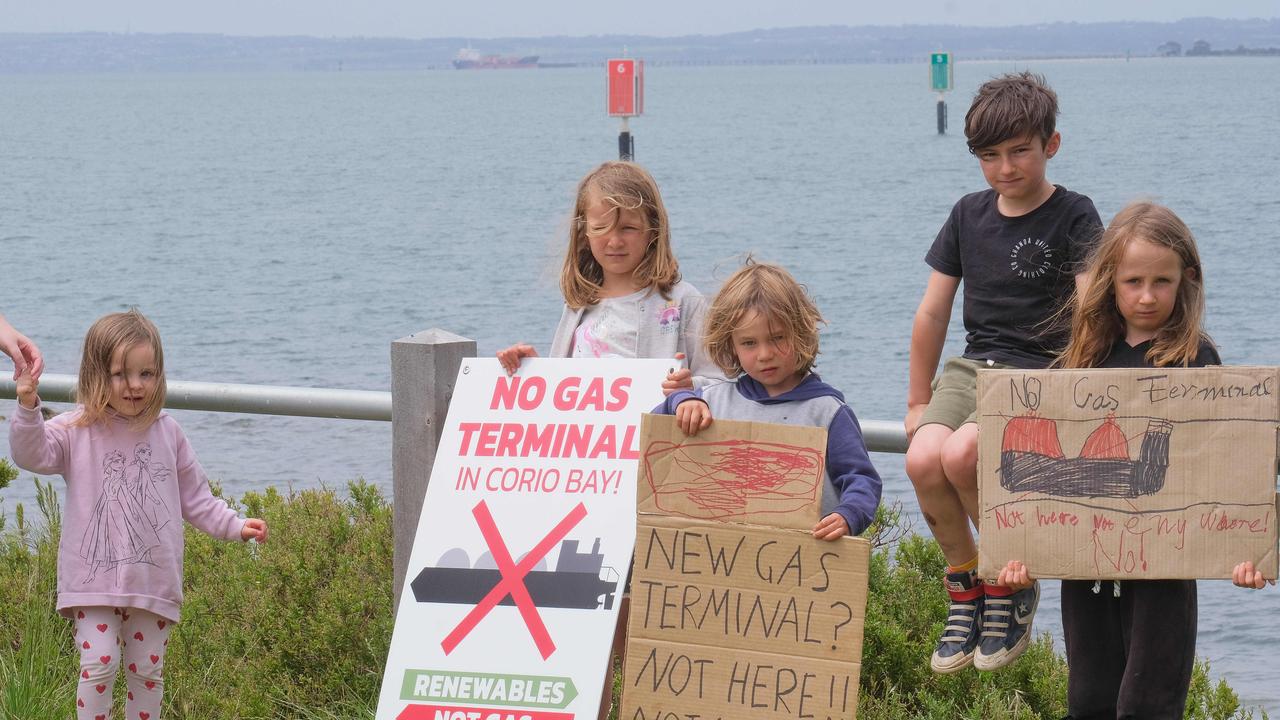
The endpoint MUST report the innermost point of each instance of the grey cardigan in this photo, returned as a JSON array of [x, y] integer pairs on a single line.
[[667, 327]]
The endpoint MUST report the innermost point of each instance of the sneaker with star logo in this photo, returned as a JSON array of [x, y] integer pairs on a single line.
[[1006, 625]]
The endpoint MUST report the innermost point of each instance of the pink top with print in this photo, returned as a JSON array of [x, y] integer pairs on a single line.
[[128, 492]]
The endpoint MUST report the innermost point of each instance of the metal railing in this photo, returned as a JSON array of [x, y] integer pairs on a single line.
[[880, 435], [424, 367], [236, 398]]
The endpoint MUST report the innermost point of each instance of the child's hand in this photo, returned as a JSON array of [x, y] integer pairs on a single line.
[[510, 358], [831, 527], [254, 529], [680, 378], [912, 421], [1245, 576], [1015, 575], [24, 353], [27, 386], [693, 415]]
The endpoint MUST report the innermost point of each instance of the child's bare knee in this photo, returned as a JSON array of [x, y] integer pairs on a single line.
[[960, 466], [924, 455], [960, 457], [924, 465]]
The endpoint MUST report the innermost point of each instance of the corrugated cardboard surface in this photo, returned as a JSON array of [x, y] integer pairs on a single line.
[[676, 680], [736, 620], [1132, 510], [758, 473]]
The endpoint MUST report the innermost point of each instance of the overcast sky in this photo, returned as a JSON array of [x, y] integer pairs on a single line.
[[528, 18]]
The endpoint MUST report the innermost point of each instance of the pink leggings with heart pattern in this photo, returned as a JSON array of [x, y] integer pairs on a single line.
[[100, 634]]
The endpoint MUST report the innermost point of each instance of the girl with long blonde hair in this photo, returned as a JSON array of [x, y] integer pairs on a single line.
[[623, 296], [1131, 647]]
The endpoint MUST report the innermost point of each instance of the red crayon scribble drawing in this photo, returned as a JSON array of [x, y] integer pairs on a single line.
[[734, 479]]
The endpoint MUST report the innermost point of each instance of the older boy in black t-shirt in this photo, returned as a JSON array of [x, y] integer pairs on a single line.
[[1017, 247]]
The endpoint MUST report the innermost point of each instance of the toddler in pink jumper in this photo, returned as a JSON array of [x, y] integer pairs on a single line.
[[132, 479]]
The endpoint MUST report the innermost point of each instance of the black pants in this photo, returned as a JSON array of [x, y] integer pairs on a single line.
[[1129, 656]]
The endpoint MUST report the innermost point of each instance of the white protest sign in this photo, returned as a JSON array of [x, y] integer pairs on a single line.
[[527, 529]]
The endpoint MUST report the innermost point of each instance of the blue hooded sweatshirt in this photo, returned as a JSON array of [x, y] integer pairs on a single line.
[[853, 484]]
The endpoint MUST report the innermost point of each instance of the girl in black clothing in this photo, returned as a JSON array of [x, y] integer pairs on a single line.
[[1131, 644]]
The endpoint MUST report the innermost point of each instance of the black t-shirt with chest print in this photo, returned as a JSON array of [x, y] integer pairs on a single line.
[[1017, 272]]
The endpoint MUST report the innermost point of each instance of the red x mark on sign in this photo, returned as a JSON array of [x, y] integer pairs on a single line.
[[512, 582]]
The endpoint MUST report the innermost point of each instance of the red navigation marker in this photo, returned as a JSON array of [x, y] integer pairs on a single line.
[[626, 87], [512, 582]]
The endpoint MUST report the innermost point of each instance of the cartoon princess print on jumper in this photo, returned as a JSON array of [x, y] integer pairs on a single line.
[[119, 532], [143, 476]]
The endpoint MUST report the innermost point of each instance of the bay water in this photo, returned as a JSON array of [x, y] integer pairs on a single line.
[[284, 228]]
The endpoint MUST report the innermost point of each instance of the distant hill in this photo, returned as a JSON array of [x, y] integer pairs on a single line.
[[134, 52]]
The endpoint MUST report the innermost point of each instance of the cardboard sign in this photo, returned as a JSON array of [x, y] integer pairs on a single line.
[[1143, 473], [511, 596], [737, 620], [758, 473], [625, 93]]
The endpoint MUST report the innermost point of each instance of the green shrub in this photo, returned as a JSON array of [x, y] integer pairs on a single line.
[[8, 473], [37, 663], [303, 621], [299, 627], [906, 611], [296, 628]]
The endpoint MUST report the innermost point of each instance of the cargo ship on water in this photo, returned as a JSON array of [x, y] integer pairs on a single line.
[[471, 59]]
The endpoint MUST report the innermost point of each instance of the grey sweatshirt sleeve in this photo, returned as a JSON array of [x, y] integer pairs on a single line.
[[693, 313]]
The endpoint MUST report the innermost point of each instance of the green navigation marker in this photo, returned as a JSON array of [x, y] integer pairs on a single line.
[[940, 72], [488, 688]]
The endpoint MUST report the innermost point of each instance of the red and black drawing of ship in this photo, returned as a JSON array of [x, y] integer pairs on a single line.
[[1031, 460], [580, 580]]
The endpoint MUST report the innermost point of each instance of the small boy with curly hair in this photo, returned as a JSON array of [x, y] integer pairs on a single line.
[[762, 331]]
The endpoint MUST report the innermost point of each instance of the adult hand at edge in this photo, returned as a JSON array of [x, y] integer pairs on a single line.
[[24, 353]]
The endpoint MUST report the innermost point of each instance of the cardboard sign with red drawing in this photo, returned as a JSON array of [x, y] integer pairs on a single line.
[[1141, 473], [736, 610], [527, 528]]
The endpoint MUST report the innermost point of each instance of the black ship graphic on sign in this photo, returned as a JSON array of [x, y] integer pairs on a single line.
[[580, 580], [1031, 459]]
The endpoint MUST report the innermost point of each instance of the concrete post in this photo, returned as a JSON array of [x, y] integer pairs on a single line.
[[424, 367]]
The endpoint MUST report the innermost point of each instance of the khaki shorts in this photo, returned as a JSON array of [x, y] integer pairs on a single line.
[[955, 393]]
